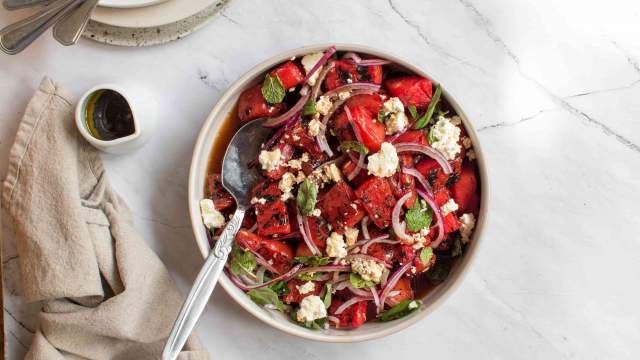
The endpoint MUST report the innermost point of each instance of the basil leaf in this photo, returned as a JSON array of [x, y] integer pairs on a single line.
[[280, 288], [264, 296], [317, 324], [431, 137], [307, 196], [354, 146], [403, 309], [413, 111], [308, 276], [358, 282], [439, 272], [418, 217], [426, 118], [327, 296], [242, 262], [273, 90], [426, 254], [309, 108], [312, 260]]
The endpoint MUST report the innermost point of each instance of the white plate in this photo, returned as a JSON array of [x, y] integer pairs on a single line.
[[128, 3], [163, 13]]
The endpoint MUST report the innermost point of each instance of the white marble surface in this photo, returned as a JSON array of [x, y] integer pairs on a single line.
[[553, 88]]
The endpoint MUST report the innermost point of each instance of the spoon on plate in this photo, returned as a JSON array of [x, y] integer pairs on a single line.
[[69, 29], [237, 179]]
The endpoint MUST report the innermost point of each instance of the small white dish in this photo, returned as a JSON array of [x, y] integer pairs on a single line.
[[198, 173], [128, 4], [143, 108], [161, 13]]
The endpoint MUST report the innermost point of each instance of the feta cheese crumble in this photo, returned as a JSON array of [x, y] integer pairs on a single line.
[[211, 217], [286, 186], [311, 308], [308, 62], [468, 223], [316, 212], [413, 305], [336, 246], [446, 135], [449, 206], [471, 154], [351, 235], [315, 127], [260, 201], [323, 105], [306, 288], [396, 120], [344, 95], [270, 160], [332, 172], [384, 163], [369, 270]]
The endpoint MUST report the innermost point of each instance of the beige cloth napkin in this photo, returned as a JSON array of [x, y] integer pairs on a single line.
[[105, 294]]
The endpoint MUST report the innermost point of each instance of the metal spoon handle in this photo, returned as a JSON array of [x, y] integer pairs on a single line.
[[19, 4], [17, 36], [202, 288], [68, 30]]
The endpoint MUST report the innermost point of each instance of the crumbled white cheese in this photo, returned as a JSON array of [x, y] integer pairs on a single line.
[[413, 305], [368, 269], [286, 196], [466, 142], [336, 246], [384, 163], [315, 127], [287, 182], [468, 223], [393, 105], [396, 120], [211, 217], [270, 160], [332, 172], [449, 206], [344, 95], [297, 163], [323, 105], [471, 154], [455, 120], [306, 288], [308, 62], [261, 201], [420, 238], [311, 308], [351, 235], [316, 212], [446, 135]]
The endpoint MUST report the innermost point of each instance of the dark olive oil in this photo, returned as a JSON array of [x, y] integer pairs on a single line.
[[108, 115]]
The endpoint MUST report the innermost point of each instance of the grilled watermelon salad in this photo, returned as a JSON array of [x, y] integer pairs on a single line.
[[370, 191]]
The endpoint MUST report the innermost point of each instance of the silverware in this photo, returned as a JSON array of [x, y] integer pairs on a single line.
[[19, 4], [238, 179], [68, 30], [17, 36]]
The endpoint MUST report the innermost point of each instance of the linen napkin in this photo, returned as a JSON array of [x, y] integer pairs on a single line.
[[105, 294]]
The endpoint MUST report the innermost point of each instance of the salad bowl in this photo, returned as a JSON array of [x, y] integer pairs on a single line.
[[210, 139]]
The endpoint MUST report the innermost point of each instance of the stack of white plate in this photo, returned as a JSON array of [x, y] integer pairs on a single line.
[[149, 22]]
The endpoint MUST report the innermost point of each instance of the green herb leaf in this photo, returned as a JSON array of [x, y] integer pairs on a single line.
[[403, 309], [354, 146], [273, 89], [384, 116], [280, 288], [264, 296], [358, 282], [333, 132], [308, 276], [413, 111], [418, 217], [242, 262], [307, 196], [439, 272], [426, 254], [456, 248], [327, 296], [309, 108], [431, 137], [317, 324], [426, 118], [312, 260]]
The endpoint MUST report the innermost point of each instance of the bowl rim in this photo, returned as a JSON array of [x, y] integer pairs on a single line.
[[443, 291]]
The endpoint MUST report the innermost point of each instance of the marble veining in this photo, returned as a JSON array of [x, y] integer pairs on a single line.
[[550, 86]]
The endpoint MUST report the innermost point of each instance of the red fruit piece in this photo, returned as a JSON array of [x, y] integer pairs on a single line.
[[340, 208], [345, 72], [451, 223], [382, 251], [412, 90], [377, 198], [251, 105], [248, 240], [221, 198], [319, 231], [464, 191], [294, 295], [422, 266], [371, 102], [299, 138], [370, 130], [267, 189], [272, 218], [413, 136], [286, 152], [352, 317], [406, 254], [278, 253], [406, 292], [401, 183], [289, 73]]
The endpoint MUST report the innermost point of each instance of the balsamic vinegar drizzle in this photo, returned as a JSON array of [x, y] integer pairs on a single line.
[[108, 115]]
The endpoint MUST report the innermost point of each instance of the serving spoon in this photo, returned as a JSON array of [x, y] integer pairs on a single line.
[[238, 179]]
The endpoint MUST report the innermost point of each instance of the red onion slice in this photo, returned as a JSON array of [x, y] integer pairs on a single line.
[[359, 166], [295, 109], [392, 282], [350, 302], [365, 248], [342, 285], [376, 298], [327, 54], [374, 62], [303, 224], [365, 227], [262, 261], [318, 85], [421, 179], [436, 210], [289, 274], [398, 226], [358, 292], [325, 268], [366, 244], [352, 56], [427, 150], [278, 134], [333, 319], [352, 87]]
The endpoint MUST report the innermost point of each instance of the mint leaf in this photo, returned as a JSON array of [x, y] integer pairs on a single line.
[[264, 296], [307, 196], [358, 282], [413, 111], [312, 260], [280, 288], [242, 262], [327, 296], [439, 272], [273, 90], [354, 146], [418, 217], [403, 309], [309, 108], [426, 254], [426, 118]]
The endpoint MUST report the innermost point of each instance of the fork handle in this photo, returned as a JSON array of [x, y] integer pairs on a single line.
[[202, 288]]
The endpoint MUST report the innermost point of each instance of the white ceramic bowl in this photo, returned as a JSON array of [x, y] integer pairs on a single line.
[[198, 172]]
